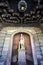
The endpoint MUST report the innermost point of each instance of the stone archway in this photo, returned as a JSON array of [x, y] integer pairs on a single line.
[[28, 58], [32, 44], [30, 31]]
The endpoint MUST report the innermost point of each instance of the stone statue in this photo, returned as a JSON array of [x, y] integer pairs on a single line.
[[21, 42]]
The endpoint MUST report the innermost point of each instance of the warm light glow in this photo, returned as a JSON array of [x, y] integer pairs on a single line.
[[22, 8]]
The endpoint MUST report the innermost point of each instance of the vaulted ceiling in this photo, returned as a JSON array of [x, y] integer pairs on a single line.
[[10, 15]]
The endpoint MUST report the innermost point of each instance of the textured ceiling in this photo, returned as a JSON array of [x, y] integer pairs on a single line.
[[9, 13]]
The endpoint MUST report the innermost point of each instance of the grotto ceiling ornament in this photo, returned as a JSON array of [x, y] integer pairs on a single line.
[[22, 6]]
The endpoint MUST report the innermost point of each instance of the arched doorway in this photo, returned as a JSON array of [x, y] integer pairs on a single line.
[[17, 46]]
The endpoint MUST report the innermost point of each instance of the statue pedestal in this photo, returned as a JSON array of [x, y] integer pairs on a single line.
[[21, 57]]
